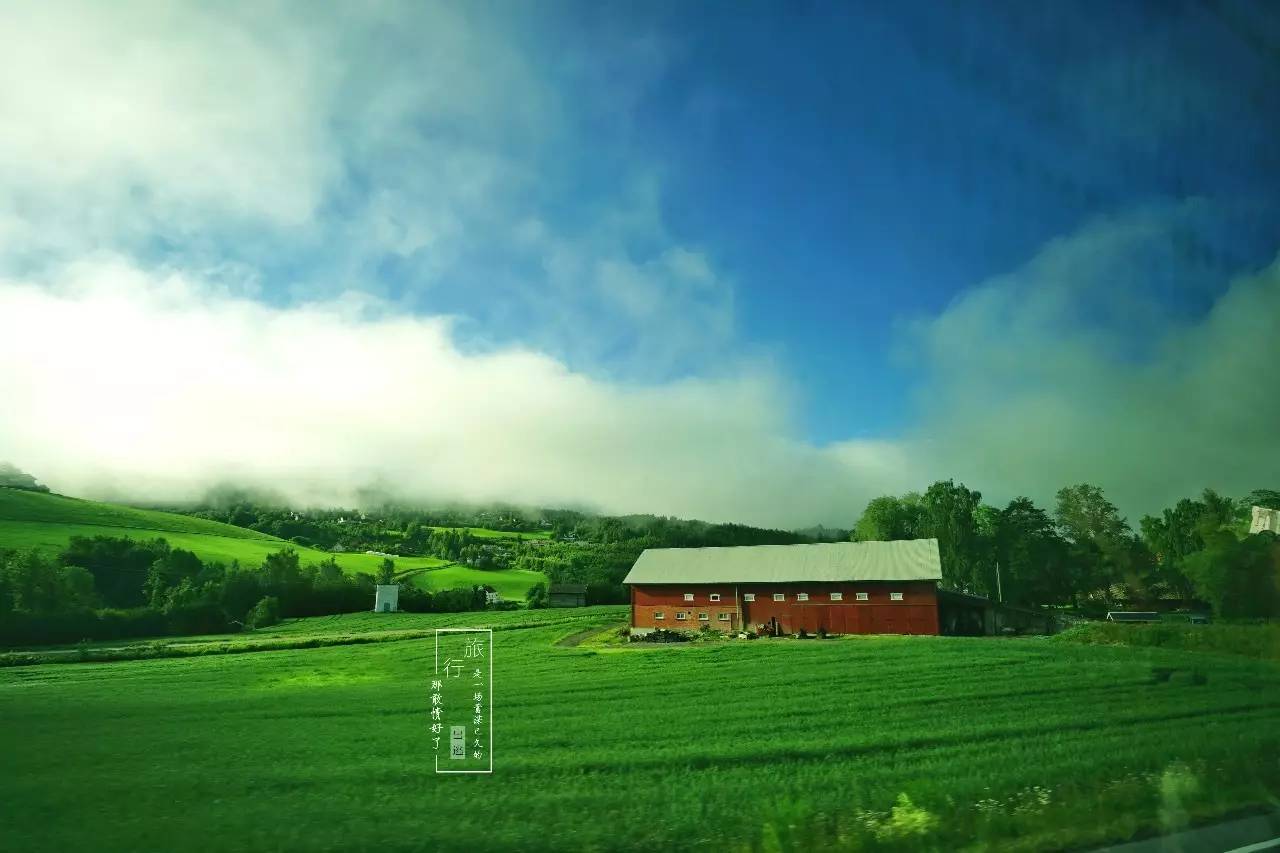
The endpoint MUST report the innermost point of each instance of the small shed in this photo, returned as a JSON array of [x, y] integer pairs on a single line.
[[1133, 616], [567, 595], [491, 595], [386, 598]]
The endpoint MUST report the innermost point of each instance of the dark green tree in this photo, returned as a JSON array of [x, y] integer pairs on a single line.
[[1099, 539], [1032, 556], [1238, 577], [888, 518], [13, 477], [951, 517]]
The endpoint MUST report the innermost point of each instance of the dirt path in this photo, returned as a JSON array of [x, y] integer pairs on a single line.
[[574, 639]]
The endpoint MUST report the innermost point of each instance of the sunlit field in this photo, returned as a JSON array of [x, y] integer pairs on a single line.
[[918, 743], [45, 522], [511, 584]]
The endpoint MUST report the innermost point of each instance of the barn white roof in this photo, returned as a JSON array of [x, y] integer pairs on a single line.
[[906, 560]]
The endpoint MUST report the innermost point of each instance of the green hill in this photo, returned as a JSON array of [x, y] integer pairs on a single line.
[[48, 508], [46, 522], [511, 584]]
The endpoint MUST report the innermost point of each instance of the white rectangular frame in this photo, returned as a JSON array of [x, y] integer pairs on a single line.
[[436, 671]]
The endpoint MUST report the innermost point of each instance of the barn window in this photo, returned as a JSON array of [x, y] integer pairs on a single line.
[[895, 596], [688, 596], [779, 596], [658, 614], [802, 596], [681, 615], [723, 617], [715, 596], [748, 596], [702, 617], [861, 596], [837, 596]]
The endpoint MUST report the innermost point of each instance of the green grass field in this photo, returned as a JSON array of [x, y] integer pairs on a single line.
[[486, 533], [511, 584], [996, 744]]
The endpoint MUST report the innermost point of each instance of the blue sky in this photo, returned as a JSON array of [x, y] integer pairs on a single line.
[[679, 253], [844, 169], [847, 167]]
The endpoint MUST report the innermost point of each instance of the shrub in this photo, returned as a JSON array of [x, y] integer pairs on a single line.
[[662, 635], [906, 820], [264, 614], [1257, 641], [537, 596]]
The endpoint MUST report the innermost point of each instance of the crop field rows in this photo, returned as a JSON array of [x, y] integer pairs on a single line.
[[1020, 744]]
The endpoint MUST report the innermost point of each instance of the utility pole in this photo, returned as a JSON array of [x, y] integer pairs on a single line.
[[999, 590]]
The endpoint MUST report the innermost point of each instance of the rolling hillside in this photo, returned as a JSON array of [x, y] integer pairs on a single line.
[[47, 522], [511, 584]]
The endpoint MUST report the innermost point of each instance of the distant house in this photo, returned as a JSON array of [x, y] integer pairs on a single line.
[[386, 598], [1133, 616], [567, 595], [491, 595], [1265, 519]]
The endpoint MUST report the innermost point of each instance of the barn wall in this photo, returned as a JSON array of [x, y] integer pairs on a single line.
[[917, 613]]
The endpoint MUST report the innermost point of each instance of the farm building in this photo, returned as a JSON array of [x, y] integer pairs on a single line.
[[840, 587], [962, 614], [386, 598], [567, 595], [491, 595]]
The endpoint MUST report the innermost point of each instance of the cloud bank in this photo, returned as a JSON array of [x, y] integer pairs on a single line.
[[1078, 368], [118, 381]]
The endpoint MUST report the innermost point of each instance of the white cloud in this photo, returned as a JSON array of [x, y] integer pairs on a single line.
[[126, 119], [120, 380], [1084, 366]]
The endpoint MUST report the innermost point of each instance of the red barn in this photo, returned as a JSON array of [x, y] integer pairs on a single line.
[[841, 587]]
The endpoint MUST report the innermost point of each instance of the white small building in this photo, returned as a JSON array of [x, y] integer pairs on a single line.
[[491, 595], [1265, 519], [386, 598]]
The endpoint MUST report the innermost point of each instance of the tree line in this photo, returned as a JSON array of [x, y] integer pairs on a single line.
[[1085, 554], [105, 588]]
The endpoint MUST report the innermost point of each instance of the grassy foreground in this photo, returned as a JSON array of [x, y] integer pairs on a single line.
[[1259, 641], [911, 743], [338, 630]]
